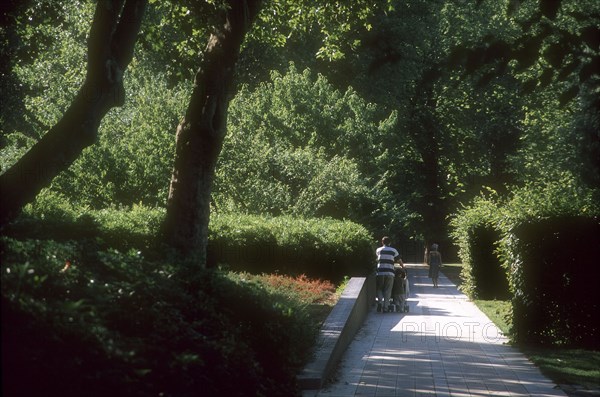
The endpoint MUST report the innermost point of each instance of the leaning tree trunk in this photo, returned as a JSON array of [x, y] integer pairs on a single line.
[[201, 133], [112, 38]]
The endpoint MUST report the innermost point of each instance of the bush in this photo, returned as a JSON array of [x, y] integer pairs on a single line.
[[477, 233], [120, 321], [125, 228], [113, 323], [548, 231], [319, 248], [544, 237], [554, 281], [296, 146]]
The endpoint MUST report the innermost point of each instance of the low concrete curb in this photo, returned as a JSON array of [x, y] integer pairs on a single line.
[[338, 330]]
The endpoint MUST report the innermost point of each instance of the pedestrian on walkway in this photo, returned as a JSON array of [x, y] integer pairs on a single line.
[[386, 256], [434, 260]]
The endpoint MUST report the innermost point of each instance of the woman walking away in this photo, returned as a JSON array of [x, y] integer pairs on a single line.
[[435, 262]]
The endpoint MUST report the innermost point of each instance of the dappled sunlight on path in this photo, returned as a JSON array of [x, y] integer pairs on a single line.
[[445, 346]]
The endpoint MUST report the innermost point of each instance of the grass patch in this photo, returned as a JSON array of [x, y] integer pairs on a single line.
[[497, 311], [568, 366]]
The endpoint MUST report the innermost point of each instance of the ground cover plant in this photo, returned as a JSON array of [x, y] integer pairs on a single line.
[[85, 318]]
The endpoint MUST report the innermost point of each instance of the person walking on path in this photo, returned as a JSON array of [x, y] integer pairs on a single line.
[[386, 256], [434, 260]]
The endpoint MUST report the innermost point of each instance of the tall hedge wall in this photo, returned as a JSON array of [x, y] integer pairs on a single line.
[[323, 248], [545, 236], [477, 233], [555, 282]]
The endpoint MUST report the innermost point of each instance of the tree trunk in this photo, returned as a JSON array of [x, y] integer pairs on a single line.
[[200, 135], [426, 134], [110, 49]]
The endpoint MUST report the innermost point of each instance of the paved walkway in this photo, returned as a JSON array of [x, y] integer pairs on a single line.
[[445, 346]]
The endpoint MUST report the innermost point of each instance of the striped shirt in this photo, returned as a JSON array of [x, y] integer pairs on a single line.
[[385, 260]]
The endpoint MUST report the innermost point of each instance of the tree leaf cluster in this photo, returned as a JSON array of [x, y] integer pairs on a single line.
[[559, 42]]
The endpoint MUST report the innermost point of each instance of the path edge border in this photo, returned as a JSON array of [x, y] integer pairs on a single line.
[[338, 330]]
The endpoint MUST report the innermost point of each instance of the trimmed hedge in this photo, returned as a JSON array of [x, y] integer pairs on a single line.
[[319, 248], [477, 235], [545, 238], [490, 278], [555, 281]]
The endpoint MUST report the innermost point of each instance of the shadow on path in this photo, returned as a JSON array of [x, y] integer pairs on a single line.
[[445, 346]]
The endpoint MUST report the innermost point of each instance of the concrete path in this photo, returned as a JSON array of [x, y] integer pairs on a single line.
[[445, 346]]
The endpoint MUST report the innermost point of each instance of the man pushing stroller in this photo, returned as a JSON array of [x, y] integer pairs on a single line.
[[388, 261]]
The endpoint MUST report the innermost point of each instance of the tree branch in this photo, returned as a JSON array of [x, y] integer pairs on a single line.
[[103, 27], [109, 53], [127, 30]]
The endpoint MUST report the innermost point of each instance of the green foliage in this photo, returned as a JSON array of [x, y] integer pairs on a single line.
[[125, 228], [132, 161], [542, 237], [476, 232], [322, 248], [138, 140], [115, 323], [281, 20], [298, 146], [554, 42], [553, 287], [548, 232]]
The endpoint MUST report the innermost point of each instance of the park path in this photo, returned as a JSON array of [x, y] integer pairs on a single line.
[[445, 346]]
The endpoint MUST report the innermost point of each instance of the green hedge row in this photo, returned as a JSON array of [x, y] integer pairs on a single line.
[[543, 239], [555, 265], [477, 236], [320, 248]]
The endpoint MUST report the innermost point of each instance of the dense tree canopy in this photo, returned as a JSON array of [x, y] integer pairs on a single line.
[[436, 98]]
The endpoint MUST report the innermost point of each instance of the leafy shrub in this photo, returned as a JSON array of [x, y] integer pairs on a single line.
[[113, 323], [319, 248], [477, 233], [300, 288], [543, 237], [548, 231], [555, 290], [123, 228], [296, 145]]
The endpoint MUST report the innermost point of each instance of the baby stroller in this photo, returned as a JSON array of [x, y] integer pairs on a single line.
[[400, 291]]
